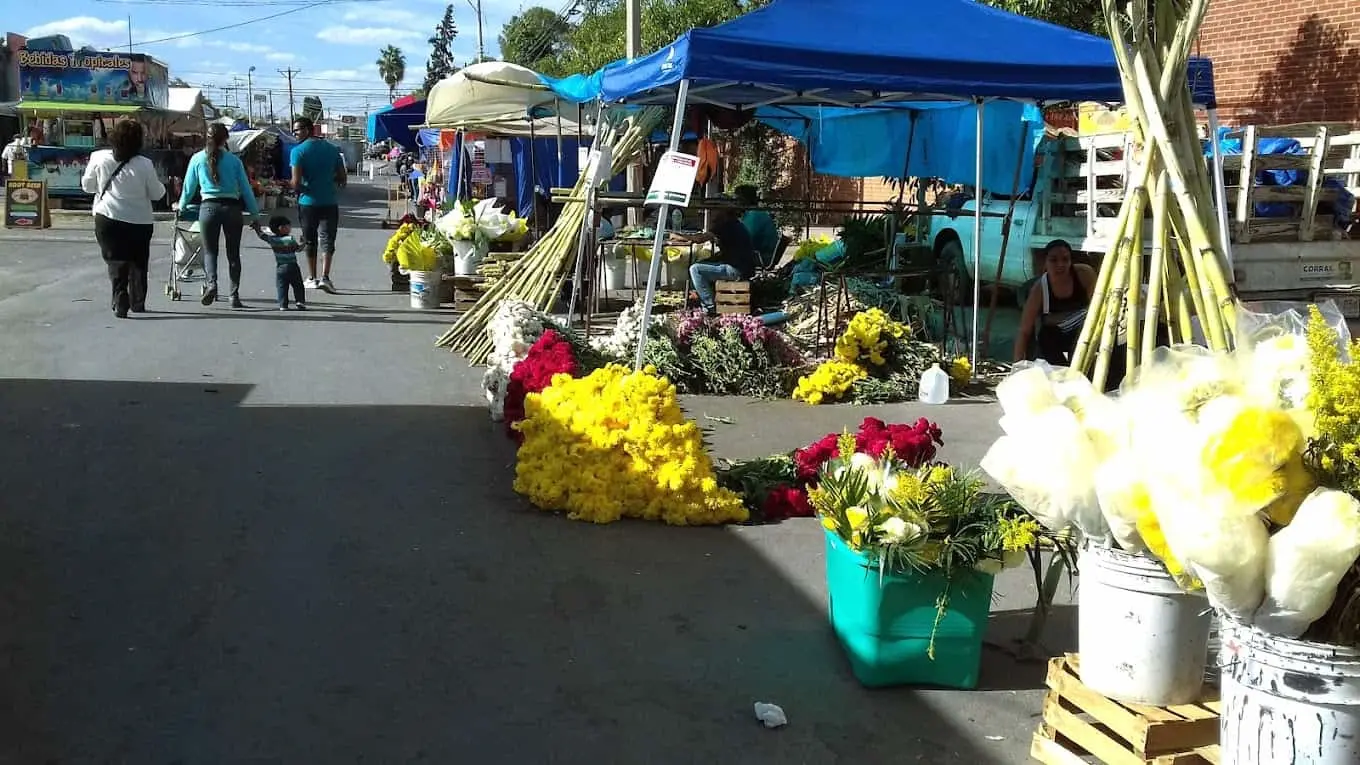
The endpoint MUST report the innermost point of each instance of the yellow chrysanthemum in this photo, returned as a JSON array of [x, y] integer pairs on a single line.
[[866, 339], [961, 370], [615, 444], [829, 382]]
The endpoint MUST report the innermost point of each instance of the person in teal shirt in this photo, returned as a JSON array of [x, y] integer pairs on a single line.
[[318, 176], [218, 177], [760, 224]]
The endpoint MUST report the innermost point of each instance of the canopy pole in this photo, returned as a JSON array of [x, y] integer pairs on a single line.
[[533, 182], [662, 215], [559, 150], [977, 233], [1220, 193], [587, 230]]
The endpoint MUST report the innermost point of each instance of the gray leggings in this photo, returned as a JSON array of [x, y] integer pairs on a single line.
[[216, 218]]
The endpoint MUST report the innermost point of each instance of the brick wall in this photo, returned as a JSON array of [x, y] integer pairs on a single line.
[[1284, 61]]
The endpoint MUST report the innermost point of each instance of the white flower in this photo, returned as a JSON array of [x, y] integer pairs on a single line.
[[897, 530], [861, 461]]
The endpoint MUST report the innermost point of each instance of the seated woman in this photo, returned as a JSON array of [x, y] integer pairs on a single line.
[[734, 260]]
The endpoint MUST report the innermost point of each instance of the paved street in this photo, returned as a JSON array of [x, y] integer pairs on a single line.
[[232, 536]]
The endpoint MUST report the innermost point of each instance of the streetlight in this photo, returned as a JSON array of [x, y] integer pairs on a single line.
[[250, 94]]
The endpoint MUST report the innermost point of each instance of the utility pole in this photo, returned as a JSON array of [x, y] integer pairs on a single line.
[[272, 118], [633, 48], [481, 46], [129, 33], [250, 94], [290, 73]]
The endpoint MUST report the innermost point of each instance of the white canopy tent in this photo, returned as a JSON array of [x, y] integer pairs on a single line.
[[187, 104]]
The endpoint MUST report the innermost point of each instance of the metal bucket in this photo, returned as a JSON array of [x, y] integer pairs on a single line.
[[1142, 639], [1287, 702]]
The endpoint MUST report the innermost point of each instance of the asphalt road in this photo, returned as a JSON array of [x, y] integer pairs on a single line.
[[252, 536]]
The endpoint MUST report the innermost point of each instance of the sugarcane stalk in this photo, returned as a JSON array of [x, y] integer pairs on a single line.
[[1156, 274], [1114, 299], [1132, 346]]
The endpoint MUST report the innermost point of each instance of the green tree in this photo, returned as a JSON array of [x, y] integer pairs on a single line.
[[535, 39], [441, 63], [392, 69], [598, 38], [1082, 15]]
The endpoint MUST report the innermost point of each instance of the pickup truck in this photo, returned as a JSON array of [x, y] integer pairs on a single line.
[[1277, 251]]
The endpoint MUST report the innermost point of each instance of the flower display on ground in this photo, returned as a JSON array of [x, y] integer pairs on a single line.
[[549, 356], [875, 361], [622, 341], [615, 444], [1236, 470], [514, 329], [724, 355]]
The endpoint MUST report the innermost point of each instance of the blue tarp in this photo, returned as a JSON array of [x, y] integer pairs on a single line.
[[577, 88], [374, 127], [867, 143], [530, 175], [1232, 146], [853, 52], [397, 124]]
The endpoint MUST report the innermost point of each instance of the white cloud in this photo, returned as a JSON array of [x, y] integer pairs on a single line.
[[81, 27], [339, 75], [368, 35], [280, 56], [396, 17]]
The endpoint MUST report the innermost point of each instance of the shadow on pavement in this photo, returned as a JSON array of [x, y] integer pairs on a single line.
[[184, 578]]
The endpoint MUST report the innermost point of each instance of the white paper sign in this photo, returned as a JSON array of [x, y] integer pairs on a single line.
[[674, 180], [599, 165], [499, 187]]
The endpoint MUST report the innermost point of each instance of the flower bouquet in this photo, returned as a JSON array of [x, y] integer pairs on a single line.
[[910, 556], [876, 361], [472, 226], [724, 355]]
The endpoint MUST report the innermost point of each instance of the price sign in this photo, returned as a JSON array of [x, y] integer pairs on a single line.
[[26, 204], [674, 180]]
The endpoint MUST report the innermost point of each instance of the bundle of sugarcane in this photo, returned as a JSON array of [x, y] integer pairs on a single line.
[[1186, 273], [537, 277]]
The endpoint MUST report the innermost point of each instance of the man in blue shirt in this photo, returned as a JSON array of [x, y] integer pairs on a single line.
[[759, 224], [318, 176]]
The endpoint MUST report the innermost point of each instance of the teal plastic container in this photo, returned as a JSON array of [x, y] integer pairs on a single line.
[[885, 627]]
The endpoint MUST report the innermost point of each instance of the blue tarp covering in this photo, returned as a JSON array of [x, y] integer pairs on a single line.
[[397, 124], [855, 51], [577, 88], [373, 126], [866, 143], [1232, 146], [542, 170]]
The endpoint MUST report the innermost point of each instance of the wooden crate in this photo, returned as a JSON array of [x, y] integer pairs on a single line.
[[732, 297], [1082, 727], [466, 291]]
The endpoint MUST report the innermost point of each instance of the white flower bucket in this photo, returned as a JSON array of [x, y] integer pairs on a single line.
[[676, 272], [1142, 639], [1287, 702], [425, 289], [466, 257], [615, 273]]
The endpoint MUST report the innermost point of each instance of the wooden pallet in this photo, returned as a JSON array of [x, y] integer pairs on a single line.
[[1081, 726], [732, 297]]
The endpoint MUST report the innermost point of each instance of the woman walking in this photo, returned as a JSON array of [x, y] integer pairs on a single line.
[[124, 185], [219, 177]]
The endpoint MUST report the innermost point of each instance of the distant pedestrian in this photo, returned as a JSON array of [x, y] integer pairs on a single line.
[[219, 177], [285, 248], [318, 175], [125, 186]]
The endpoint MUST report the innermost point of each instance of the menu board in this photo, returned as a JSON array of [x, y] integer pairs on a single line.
[[26, 204]]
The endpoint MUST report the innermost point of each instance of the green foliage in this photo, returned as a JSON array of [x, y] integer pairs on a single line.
[[392, 69], [535, 38], [441, 63], [1082, 15], [599, 37]]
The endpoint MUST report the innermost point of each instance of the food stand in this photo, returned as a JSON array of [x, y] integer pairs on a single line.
[[74, 97]]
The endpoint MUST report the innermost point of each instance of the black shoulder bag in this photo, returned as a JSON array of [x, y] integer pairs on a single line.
[[109, 182]]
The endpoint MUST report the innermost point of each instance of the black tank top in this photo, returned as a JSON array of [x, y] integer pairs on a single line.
[[1065, 313]]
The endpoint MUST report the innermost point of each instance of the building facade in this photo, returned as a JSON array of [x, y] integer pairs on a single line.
[[1284, 61]]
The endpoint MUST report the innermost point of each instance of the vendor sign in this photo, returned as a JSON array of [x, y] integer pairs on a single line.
[[26, 204], [83, 77], [674, 180]]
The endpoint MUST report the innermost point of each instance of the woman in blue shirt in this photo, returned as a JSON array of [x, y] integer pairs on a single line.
[[219, 177]]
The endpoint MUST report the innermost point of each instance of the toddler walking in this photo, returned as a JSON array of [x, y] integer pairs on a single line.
[[285, 247]]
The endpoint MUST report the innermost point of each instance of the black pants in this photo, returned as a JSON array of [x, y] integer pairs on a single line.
[[289, 275], [218, 219], [126, 249]]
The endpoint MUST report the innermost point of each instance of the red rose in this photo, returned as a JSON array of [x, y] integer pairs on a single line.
[[785, 501], [550, 355]]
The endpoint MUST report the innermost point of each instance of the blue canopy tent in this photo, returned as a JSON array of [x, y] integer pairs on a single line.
[[375, 132], [399, 124], [824, 53]]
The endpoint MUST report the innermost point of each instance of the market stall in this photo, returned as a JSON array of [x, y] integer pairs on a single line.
[[265, 153], [73, 97]]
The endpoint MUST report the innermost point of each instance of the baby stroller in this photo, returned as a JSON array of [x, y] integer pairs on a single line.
[[186, 251]]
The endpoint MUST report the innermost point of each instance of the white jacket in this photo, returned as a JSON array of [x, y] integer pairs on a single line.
[[132, 192]]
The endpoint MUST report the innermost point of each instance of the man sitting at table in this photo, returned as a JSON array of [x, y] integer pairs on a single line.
[[734, 260], [759, 224]]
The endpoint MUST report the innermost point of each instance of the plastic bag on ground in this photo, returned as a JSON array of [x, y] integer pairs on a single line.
[[1306, 561]]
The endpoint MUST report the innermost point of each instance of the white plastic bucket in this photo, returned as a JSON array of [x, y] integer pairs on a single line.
[[425, 289], [1142, 639], [676, 273], [615, 273], [1287, 702], [466, 258]]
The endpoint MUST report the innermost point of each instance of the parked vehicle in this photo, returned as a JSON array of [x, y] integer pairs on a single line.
[[1290, 192]]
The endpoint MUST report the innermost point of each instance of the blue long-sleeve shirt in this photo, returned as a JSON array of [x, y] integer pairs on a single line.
[[232, 182]]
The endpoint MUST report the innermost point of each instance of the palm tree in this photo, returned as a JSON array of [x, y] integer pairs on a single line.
[[392, 69]]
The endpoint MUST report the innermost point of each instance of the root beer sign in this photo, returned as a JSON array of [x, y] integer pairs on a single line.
[[26, 204]]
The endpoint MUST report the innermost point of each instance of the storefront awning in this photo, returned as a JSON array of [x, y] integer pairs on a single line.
[[62, 107]]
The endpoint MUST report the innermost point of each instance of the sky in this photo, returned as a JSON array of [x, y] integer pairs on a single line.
[[335, 43]]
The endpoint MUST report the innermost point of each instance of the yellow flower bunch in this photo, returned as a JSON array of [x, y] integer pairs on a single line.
[[961, 370], [615, 444], [866, 338], [1334, 399], [811, 247], [829, 382], [403, 233]]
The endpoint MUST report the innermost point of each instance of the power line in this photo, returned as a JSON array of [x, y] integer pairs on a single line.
[[239, 24], [290, 73]]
